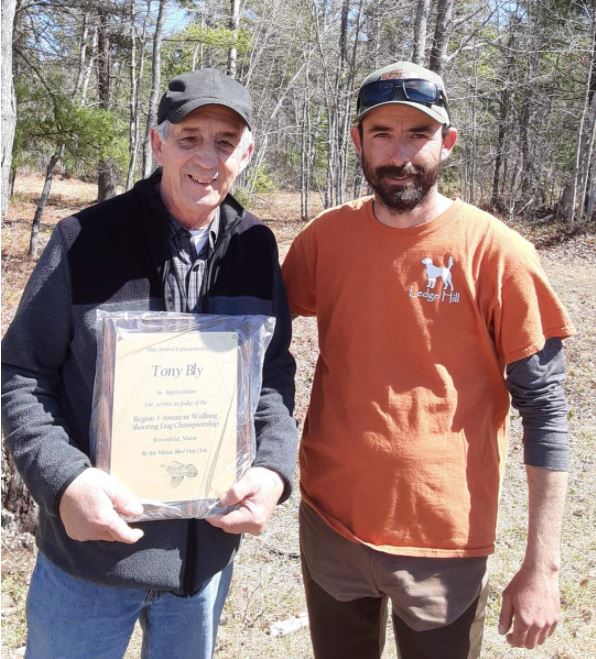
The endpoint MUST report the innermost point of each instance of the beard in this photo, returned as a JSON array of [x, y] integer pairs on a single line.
[[401, 198]]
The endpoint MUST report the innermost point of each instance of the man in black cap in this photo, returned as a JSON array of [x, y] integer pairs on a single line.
[[178, 241]]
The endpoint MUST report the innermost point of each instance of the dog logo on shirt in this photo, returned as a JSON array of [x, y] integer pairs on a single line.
[[434, 273]]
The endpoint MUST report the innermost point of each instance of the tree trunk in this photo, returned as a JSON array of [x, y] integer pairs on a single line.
[[12, 179], [504, 102], [584, 145], [588, 160], [82, 55], [443, 26], [43, 200], [155, 85], [306, 141], [589, 194], [530, 191], [565, 205], [304, 166], [234, 25], [89, 67], [471, 146], [136, 78], [134, 91], [344, 126], [106, 180], [16, 498], [342, 106], [420, 31], [9, 110], [197, 55], [338, 109]]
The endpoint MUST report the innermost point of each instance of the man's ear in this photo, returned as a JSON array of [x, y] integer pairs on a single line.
[[156, 146], [356, 139], [449, 141]]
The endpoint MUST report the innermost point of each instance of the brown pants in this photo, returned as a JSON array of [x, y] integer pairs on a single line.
[[355, 629]]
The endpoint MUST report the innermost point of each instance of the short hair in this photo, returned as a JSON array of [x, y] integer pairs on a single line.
[[163, 129]]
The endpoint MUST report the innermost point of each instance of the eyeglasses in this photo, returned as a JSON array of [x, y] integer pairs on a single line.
[[415, 90]]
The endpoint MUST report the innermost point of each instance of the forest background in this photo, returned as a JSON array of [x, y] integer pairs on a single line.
[[80, 87], [85, 80]]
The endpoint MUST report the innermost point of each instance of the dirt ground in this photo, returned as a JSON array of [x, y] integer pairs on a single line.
[[267, 586]]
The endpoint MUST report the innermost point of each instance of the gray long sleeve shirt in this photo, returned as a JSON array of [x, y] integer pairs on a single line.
[[536, 385]]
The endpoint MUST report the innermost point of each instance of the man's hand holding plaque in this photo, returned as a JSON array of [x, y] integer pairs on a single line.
[[256, 495], [91, 506]]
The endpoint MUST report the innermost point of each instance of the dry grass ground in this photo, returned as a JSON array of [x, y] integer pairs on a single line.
[[267, 585]]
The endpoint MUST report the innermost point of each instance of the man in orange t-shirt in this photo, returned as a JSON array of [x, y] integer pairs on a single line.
[[431, 314]]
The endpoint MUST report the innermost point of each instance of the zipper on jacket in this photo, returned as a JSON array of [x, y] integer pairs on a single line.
[[193, 525], [213, 258], [191, 557]]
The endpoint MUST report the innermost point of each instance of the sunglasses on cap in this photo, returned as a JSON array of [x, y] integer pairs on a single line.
[[416, 90]]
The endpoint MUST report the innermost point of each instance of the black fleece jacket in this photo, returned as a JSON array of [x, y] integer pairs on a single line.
[[113, 255]]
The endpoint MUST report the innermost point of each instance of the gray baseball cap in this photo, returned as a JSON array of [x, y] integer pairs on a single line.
[[192, 90], [371, 98]]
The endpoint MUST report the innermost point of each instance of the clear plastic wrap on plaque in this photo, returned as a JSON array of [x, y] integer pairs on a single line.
[[173, 406]]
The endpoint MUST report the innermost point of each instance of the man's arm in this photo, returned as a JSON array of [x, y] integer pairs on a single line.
[[34, 350], [531, 601], [56, 471]]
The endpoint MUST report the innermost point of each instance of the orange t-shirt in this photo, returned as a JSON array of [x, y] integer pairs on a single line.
[[406, 433]]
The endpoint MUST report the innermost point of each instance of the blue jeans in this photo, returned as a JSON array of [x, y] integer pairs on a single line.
[[71, 618]]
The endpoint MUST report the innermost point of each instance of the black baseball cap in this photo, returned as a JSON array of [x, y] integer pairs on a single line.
[[192, 90]]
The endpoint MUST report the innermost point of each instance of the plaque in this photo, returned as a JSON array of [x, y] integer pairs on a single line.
[[174, 414], [173, 406]]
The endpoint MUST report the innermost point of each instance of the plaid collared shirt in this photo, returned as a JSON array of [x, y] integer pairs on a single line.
[[187, 268]]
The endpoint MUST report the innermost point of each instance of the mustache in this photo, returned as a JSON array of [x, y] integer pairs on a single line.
[[404, 170]]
